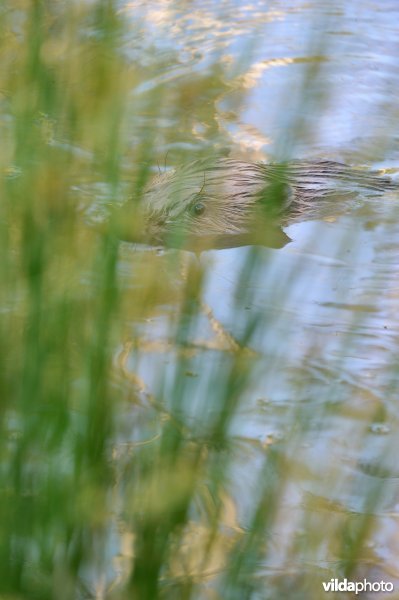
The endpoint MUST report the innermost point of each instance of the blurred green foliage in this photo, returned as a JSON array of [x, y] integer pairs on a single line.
[[108, 489]]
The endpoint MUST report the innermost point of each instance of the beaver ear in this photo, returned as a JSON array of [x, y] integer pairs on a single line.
[[277, 197]]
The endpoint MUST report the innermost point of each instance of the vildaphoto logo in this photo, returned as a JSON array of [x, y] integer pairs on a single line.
[[343, 585]]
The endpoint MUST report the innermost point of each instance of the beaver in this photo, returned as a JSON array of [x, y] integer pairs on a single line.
[[226, 202]]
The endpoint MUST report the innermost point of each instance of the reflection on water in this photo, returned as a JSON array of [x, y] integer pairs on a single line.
[[323, 382], [241, 442], [323, 386], [267, 48]]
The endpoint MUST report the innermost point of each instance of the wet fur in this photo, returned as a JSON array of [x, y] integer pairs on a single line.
[[235, 194]]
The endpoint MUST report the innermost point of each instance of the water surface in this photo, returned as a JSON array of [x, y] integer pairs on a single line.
[[300, 80]]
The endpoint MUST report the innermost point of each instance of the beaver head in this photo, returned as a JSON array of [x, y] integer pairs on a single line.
[[216, 204], [226, 202]]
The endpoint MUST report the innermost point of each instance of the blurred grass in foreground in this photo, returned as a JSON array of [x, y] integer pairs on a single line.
[[84, 514]]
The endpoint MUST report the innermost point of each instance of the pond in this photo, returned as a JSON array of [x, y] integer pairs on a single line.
[[301, 80], [230, 417]]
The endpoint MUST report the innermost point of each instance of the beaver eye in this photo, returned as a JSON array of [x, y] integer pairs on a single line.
[[198, 208]]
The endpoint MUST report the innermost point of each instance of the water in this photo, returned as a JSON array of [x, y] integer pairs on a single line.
[[349, 53], [302, 80], [229, 419]]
